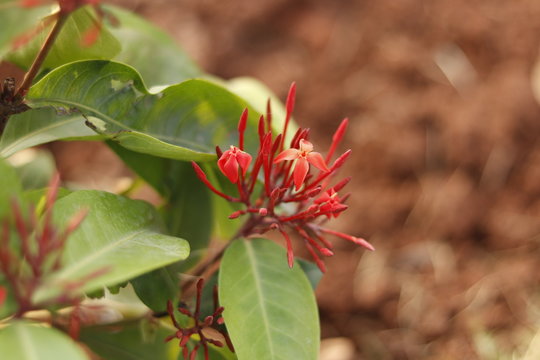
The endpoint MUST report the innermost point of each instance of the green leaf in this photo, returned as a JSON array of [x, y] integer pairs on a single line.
[[10, 187], [24, 341], [35, 168], [9, 307], [183, 122], [270, 310], [39, 126], [17, 21], [69, 45], [37, 196], [150, 50], [187, 214], [130, 341], [119, 235]]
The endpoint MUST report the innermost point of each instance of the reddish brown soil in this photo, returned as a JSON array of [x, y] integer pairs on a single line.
[[446, 173]]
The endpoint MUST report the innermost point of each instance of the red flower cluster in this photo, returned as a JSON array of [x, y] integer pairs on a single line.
[[307, 201], [199, 328]]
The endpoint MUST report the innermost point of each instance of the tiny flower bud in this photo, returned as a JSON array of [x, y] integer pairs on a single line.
[[242, 128], [326, 252], [263, 211], [219, 153], [208, 320], [336, 139], [236, 214]]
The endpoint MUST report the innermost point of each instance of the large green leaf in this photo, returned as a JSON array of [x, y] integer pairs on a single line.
[[24, 341], [187, 214], [130, 341], [119, 235], [17, 21], [150, 50], [183, 122], [270, 310], [69, 45], [39, 126]]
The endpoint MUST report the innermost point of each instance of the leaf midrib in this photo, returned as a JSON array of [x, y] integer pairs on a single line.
[[259, 291], [168, 140], [96, 255], [19, 140], [26, 342]]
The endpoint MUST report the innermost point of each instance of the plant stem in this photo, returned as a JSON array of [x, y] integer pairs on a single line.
[[244, 231], [42, 54], [201, 269]]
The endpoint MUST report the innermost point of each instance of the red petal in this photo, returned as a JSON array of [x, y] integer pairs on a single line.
[[244, 159], [230, 169], [317, 160], [305, 145], [323, 198], [223, 160], [301, 169], [289, 154]]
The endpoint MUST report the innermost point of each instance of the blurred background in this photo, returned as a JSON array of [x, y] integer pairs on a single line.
[[446, 158]]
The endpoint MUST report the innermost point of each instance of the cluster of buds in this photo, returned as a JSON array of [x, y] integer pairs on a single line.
[[210, 326], [25, 265], [288, 179]]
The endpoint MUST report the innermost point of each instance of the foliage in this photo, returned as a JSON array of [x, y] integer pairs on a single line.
[[97, 72]]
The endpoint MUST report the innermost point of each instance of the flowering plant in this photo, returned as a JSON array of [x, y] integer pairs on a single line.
[[286, 180], [70, 258]]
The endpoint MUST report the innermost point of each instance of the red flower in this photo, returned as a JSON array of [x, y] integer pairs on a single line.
[[303, 156], [330, 204], [232, 159]]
